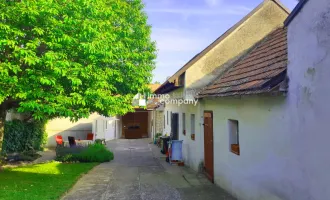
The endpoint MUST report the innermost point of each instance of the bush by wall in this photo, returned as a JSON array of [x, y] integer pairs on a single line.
[[23, 136], [93, 153]]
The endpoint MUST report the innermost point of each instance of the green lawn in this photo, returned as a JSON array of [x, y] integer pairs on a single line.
[[41, 181]]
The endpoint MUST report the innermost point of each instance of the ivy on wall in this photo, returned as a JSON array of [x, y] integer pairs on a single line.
[[23, 136]]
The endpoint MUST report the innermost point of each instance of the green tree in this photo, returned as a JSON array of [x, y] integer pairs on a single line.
[[71, 58]]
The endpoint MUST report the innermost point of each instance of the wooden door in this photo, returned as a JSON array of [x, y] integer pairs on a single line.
[[208, 145]]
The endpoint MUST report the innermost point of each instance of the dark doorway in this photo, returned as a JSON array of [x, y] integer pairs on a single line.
[[208, 145], [175, 126]]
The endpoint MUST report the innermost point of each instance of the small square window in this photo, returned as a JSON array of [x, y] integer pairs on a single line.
[[233, 136]]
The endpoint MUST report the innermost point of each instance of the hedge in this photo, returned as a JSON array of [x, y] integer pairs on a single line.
[[24, 136], [93, 153]]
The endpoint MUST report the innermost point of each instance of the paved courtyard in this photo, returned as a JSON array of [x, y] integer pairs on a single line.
[[139, 172]]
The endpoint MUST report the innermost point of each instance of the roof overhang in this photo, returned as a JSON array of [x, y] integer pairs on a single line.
[[167, 87], [295, 11]]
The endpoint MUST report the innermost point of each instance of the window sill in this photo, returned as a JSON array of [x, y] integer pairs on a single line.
[[235, 149]]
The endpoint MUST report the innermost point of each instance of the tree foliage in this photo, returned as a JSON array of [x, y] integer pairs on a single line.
[[71, 58]]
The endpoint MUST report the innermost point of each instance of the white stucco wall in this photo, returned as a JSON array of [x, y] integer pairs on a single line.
[[105, 128], [192, 150], [65, 127], [309, 96], [150, 124], [283, 140], [261, 170]]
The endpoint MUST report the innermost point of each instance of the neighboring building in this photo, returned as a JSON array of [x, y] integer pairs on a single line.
[[304, 155], [65, 128], [107, 128], [185, 121], [131, 125], [140, 124], [156, 116]]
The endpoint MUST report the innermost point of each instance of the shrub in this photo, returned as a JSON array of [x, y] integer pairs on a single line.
[[62, 151], [23, 136], [93, 153], [98, 141], [158, 135]]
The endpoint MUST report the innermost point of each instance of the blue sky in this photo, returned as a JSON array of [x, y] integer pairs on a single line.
[[183, 28]]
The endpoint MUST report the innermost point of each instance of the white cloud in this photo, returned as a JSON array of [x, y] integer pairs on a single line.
[[226, 10]]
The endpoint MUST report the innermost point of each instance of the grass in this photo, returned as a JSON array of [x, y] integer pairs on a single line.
[[40, 181]]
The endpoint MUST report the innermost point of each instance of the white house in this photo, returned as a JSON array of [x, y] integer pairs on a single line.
[[264, 125], [182, 109], [108, 128], [245, 126]]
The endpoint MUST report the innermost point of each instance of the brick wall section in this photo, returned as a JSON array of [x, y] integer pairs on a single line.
[[159, 121]]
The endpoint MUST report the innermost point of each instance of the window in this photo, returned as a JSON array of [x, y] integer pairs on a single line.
[[233, 136], [167, 117], [184, 123], [171, 118], [192, 123]]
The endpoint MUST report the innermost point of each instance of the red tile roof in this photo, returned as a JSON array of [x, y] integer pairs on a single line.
[[154, 86], [153, 103], [260, 71]]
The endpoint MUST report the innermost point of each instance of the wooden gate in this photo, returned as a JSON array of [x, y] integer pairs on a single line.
[[135, 125], [208, 145]]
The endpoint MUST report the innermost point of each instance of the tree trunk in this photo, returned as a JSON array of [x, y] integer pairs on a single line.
[[3, 113], [2, 127]]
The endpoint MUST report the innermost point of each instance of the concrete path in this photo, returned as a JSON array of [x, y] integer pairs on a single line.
[[46, 156], [139, 172]]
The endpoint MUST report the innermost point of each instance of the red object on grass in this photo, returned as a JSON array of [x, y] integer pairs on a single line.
[[90, 136], [59, 140]]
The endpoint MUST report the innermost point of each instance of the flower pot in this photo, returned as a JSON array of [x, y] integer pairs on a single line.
[[235, 148], [192, 136]]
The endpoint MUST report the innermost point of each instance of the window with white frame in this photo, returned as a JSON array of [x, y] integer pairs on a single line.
[[167, 117], [192, 124], [184, 123], [234, 136]]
